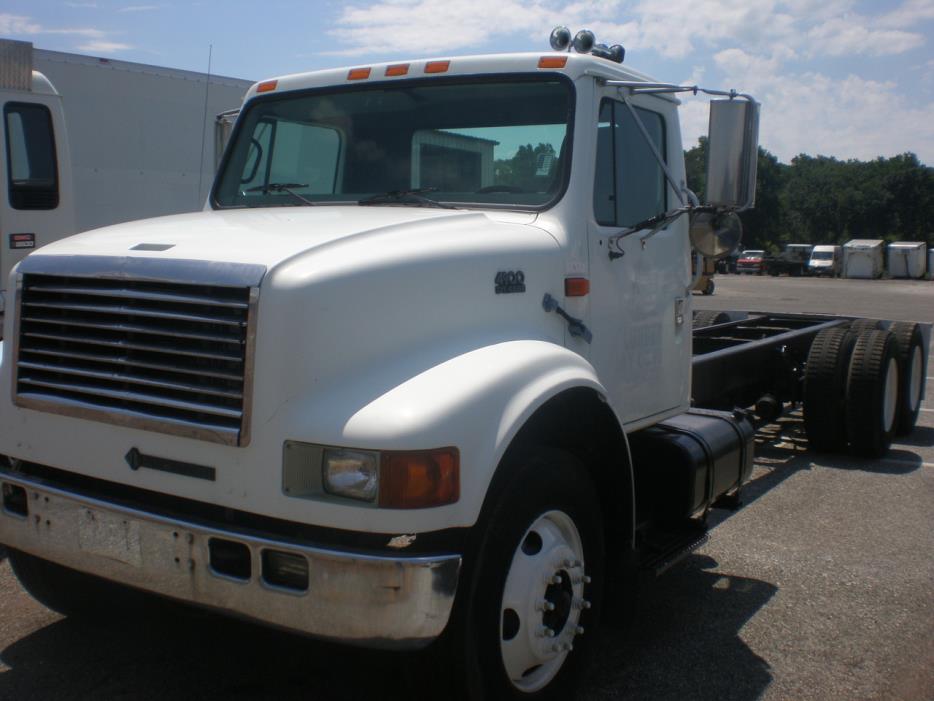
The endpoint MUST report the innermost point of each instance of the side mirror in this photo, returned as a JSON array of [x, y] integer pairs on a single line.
[[715, 234], [223, 126], [732, 153]]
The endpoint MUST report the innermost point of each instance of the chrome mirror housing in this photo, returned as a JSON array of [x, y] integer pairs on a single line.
[[715, 234], [732, 154]]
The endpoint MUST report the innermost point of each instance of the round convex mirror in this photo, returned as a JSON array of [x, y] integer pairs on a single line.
[[715, 234]]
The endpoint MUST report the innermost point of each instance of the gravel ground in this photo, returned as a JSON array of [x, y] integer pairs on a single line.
[[821, 587]]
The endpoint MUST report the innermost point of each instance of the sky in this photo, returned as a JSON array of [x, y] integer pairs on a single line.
[[842, 78]]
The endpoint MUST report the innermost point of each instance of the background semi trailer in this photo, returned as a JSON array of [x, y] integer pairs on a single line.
[[382, 394], [89, 142]]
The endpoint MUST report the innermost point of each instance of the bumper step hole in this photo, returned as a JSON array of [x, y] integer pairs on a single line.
[[286, 570], [230, 558], [15, 500]]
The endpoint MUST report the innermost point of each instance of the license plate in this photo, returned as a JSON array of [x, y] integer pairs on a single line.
[[110, 536]]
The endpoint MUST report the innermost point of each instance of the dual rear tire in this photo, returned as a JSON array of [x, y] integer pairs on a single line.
[[862, 386]]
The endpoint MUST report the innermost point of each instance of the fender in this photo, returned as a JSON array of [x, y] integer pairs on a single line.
[[477, 401]]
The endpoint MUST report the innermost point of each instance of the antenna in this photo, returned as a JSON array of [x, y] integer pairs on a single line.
[[204, 119]]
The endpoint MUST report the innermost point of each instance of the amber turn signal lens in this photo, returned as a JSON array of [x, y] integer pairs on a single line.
[[358, 74], [437, 66], [552, 61], [419, 479], [267, 86], [576, 287]]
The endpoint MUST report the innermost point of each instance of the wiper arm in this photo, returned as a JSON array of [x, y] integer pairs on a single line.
[[413, 197], [282, 187]]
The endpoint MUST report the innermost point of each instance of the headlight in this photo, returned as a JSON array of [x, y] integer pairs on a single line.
[[350, 473]]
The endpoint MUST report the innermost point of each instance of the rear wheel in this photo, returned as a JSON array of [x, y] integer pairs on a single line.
[[872, 394], [710, 317], [825, 389], [912, 371]]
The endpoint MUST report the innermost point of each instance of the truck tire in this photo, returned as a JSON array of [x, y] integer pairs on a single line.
[[825, 378], [872, 394], [858, 326], [912, 372], [538, 567], [67, 591], [710, 317]]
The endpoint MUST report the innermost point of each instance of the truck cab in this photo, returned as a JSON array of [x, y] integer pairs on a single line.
[[380, 391]]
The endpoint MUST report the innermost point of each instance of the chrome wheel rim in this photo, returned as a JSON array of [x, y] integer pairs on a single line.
[[542, 601]]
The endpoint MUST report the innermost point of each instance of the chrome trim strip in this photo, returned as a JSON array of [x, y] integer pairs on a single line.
[[376, 601], [192, 272], [249, 364]]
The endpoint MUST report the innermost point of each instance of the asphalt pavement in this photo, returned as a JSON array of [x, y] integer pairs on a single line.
[[821, 587]]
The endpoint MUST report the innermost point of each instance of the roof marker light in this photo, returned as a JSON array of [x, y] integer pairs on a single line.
[[267, 85], [552, 61], [358, 74], [398, 69], [437, 66]]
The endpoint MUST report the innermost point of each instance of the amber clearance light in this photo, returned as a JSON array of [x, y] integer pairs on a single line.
[[419, 479]]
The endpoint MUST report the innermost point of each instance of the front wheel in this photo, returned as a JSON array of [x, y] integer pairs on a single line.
[[537, 581]]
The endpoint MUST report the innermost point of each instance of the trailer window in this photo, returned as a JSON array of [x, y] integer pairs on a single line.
[[32, 170], [629, 184]]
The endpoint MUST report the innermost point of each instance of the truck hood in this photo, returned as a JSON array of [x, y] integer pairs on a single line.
[[265, 236]]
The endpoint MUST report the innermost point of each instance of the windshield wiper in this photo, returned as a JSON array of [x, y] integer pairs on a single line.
[[282, 187], [411, 197]]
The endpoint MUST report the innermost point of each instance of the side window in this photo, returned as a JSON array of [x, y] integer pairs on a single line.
[[32, 169], [629, 184]]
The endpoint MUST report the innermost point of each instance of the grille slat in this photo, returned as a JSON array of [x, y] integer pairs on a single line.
[[126, 378], [165, 356], [134, 328], [123, 293], [132, 312], [124, 361]]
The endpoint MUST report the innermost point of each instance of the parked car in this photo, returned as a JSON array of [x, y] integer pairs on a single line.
[[750, 262]]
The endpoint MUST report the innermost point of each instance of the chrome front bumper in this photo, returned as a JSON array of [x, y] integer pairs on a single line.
[[375, 601]]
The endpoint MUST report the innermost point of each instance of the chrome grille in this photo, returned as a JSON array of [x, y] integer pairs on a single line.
[[165, 356]]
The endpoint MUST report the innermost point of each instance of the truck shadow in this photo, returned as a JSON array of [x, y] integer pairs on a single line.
[[684, 642], [168, 652]]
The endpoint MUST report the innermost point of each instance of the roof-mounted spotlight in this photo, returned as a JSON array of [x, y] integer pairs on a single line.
[[584, 41], [617, 53], [560, 38]]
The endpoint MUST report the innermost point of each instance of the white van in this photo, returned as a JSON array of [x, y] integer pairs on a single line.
[[825, 260]]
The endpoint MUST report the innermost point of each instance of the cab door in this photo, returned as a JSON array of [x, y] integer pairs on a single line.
[[36, 205], [640, 310]]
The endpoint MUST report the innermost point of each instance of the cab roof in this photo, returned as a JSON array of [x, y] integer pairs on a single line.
[[576, 66]]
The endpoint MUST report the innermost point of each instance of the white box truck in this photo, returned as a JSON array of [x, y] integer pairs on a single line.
[[89, 142], [863, 258], [383, 395], [906, 259]]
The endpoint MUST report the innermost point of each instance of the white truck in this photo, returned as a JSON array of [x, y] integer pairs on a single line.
[[90, 141], [420, 374]]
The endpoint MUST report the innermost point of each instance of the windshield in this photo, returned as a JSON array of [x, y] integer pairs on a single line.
[[753, 254], [822, 255], [485, 143]]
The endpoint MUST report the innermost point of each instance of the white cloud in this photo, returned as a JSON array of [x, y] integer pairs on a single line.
[[17, 25], [104, 47], [848, 36], [97, 40], [139, 8], [81, 4], [909, 14]]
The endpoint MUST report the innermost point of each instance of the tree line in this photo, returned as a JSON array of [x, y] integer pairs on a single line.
[[823, 200]]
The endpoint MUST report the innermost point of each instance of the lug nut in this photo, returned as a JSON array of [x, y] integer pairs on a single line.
[[583, 604], [549, 633], [556, 579], [579, 630], [587, 579]]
